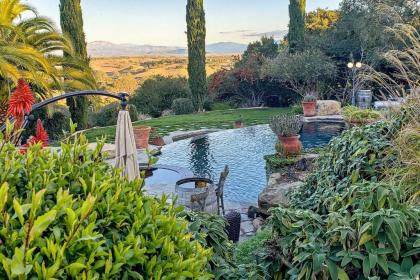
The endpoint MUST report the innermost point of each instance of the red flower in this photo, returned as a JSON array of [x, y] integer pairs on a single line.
[[21, 101], [41, 136]]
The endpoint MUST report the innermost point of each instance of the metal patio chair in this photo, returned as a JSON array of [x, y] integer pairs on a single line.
[[219, 190]]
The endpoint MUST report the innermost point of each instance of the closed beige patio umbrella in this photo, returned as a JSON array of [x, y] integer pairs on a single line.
[[125, 147]]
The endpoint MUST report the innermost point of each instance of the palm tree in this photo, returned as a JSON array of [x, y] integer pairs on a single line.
[[31, 49]]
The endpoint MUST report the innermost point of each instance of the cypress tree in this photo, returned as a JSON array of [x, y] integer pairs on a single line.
[[296, 35], [196, 35], [71, 20]]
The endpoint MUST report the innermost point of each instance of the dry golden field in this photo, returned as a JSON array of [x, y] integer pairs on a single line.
[[126, 73]]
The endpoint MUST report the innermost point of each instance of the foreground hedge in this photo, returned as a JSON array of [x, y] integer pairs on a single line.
[[70, 215]]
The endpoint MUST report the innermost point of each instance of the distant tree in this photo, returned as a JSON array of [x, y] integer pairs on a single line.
[[156, 94], [296, 35], [72, 26], [196, 35], [307, 72], [266, 47], [320, 20], [125, 83], [361, 30]]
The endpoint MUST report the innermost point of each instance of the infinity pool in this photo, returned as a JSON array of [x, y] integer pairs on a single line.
[[243, 150]]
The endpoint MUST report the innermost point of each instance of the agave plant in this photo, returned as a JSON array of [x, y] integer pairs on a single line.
[[286, 125]]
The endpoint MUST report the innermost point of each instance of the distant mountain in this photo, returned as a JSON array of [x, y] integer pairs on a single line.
[[226, 48], [106, 49]]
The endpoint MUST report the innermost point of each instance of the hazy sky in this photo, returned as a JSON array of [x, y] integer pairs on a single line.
[[162, 22]]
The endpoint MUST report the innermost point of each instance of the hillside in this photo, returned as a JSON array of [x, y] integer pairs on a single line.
[[113, 71]]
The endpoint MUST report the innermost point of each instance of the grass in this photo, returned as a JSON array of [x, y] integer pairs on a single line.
[[214, 119]]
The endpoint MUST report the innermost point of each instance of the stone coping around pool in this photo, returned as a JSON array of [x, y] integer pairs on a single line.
[[332, 118], [181, 135]]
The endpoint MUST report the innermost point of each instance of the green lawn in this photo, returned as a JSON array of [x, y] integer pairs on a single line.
[[213, 119]]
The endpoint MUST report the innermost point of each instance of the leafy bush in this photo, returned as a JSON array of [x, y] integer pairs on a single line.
[[157, 94], [182, 106], [354, 114], [71, 215], [245, 252], [108, 115], [286, 125], [303, 72], [348, 221], [208, 103], [297, 109], [278, 161], [222, 106], [371, 232], [55, 123], [209, 231]]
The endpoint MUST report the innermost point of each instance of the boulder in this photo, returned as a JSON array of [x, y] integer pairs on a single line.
[[328, 108], [275, 193], [258, 223]]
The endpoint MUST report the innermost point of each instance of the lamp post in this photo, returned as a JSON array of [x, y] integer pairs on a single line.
[[354, 67]]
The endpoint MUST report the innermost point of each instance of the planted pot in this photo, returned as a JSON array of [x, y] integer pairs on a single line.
[[141, 136], [238, 124], [291, 145], [309, 108]]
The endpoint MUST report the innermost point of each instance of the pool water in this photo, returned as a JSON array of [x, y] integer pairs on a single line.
[[243, 150]]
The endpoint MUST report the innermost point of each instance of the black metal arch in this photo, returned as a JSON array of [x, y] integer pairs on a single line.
[[122, 96]]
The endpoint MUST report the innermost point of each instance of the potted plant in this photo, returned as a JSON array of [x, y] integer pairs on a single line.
[[309, 105], [141, 136], [239, 123], [287, 128]]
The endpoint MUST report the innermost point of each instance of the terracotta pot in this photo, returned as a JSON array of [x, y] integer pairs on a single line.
[[141, 136], [158, 141], [238, 124], [309, 108], [291, 145]]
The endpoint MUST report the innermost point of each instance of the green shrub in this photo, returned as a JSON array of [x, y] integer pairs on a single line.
[[278, 161], [55, 123], [182, 106], [209, 230], [371, 232], [108, 114], [208, 103], [246, 251], [297, 109], [221, 106], [348, 220], [354, 114], [70, 215], [157, 94], [357, 155]]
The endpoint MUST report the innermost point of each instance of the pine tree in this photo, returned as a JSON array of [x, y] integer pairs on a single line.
[[196, 35], [71, 20], [297, 25]]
